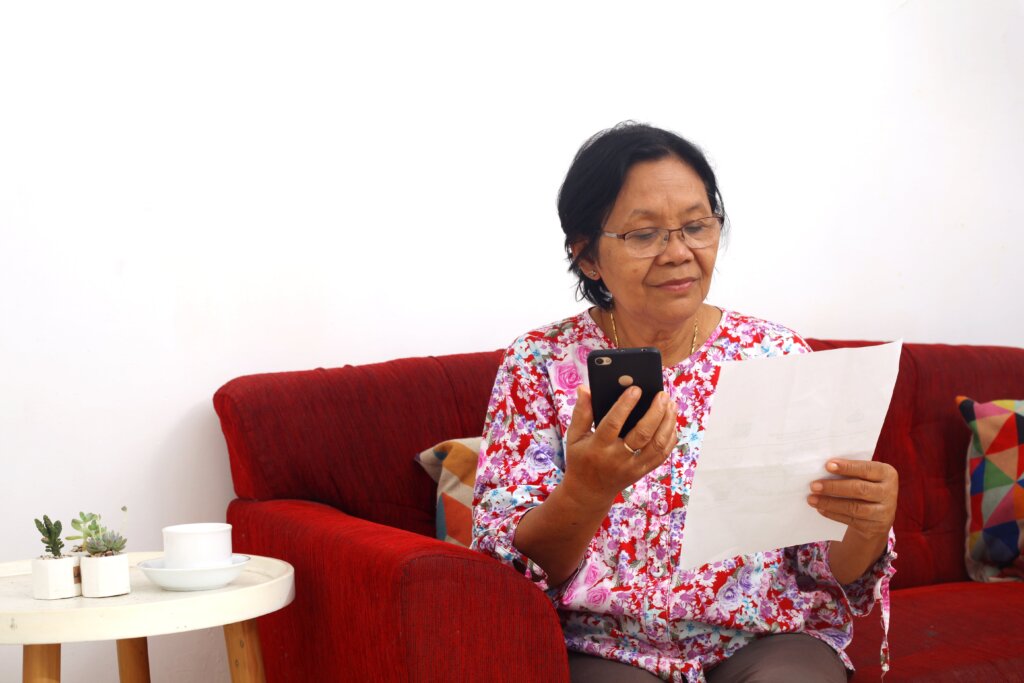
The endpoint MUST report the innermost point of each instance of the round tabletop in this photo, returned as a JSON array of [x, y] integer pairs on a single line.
[[265, 585]]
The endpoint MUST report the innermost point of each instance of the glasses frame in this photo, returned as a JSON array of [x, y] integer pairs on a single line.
[[668, 236]]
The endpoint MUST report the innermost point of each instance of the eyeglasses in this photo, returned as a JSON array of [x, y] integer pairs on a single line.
[[650, 242]]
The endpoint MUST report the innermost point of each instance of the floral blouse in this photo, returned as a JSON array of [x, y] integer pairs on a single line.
[[628, 600]]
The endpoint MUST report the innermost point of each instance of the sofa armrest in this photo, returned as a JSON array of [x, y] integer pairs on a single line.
[[378, 603]]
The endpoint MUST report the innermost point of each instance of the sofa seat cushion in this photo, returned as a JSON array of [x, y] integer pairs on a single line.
[[959, 631]]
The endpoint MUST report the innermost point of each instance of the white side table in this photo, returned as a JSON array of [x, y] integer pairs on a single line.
[[264, 586]]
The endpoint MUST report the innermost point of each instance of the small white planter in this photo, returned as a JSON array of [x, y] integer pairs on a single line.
[[56, 578], [103, 577]]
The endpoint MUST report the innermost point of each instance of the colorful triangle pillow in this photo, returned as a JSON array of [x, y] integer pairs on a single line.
[[452, 464], [995, 489]]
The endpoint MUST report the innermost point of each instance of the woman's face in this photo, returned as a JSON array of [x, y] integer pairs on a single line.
[[668, 289]]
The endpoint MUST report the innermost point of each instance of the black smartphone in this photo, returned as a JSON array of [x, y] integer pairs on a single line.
[[612, 371]]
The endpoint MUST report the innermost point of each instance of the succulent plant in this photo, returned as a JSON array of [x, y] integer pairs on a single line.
[[51, 535], [87, 525], [106, 543]]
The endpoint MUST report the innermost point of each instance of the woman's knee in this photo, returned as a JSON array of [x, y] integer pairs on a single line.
[[781, 658], [589, 669]]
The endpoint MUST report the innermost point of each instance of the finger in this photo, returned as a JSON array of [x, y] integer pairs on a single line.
[[612, 423], [858, 469], [861, 489], [665, 438], [641, 435], [872, 528], [856, 509], [582, 416], [842, 519]]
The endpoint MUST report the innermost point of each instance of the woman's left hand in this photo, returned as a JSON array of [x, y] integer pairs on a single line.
[[864, 497]]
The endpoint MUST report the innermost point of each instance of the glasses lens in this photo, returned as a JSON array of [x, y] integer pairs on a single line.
[[702, 233], [646, 242]]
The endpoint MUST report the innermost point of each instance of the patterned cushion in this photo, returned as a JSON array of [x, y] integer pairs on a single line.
[[452, 464], [995, 489]]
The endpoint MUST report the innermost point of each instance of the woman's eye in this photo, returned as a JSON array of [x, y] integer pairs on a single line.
[[644, 235], [694, 228]]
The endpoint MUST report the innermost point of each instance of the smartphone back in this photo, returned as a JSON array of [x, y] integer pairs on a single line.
[[612, 371]]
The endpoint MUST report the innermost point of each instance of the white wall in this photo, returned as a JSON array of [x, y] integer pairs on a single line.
[[195, 191]]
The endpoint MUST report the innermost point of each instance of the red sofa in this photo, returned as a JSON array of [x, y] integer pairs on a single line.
[[322, 463]]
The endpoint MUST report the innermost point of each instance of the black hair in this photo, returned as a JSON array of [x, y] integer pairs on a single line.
[[595, 179]]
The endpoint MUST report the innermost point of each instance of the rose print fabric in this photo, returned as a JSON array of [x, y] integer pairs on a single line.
[[628, 600]]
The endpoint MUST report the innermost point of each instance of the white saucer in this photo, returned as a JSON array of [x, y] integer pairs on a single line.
[[192, 579]]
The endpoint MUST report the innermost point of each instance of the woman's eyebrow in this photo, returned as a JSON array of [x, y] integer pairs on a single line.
[[648, 213]]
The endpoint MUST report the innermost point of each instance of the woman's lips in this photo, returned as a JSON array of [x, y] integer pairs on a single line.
[[681, 285]]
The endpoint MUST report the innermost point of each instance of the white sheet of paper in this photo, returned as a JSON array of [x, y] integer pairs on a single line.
[[773, 425]]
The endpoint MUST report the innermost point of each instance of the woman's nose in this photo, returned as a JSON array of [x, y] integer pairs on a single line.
[[677, 249]]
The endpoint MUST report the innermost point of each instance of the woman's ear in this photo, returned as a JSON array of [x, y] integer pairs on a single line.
[[587, 265]]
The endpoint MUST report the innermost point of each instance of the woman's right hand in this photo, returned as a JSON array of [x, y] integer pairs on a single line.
[[598, 464], [556, 533]]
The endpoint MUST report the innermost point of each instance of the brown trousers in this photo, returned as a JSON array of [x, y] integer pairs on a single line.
[[773, 659]]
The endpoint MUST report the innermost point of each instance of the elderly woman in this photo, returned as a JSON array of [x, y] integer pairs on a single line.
[[597, 520]]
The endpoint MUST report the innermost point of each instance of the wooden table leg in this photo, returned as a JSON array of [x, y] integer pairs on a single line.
[[133, 660], [245, 658], [40, 664]]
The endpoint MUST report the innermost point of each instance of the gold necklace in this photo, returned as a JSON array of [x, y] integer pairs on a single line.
[[615, 333]]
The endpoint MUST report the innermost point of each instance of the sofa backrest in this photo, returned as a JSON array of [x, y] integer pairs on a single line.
[[346, 437]]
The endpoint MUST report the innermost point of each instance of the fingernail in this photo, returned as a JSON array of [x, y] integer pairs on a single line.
[[833, 467], [813, 500], [817, 486], [634, 392], [661, 399]]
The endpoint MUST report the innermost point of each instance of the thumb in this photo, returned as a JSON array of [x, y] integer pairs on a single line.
[[582, 416]]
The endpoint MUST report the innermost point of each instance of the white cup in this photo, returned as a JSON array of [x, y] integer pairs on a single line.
[[197, 546]]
